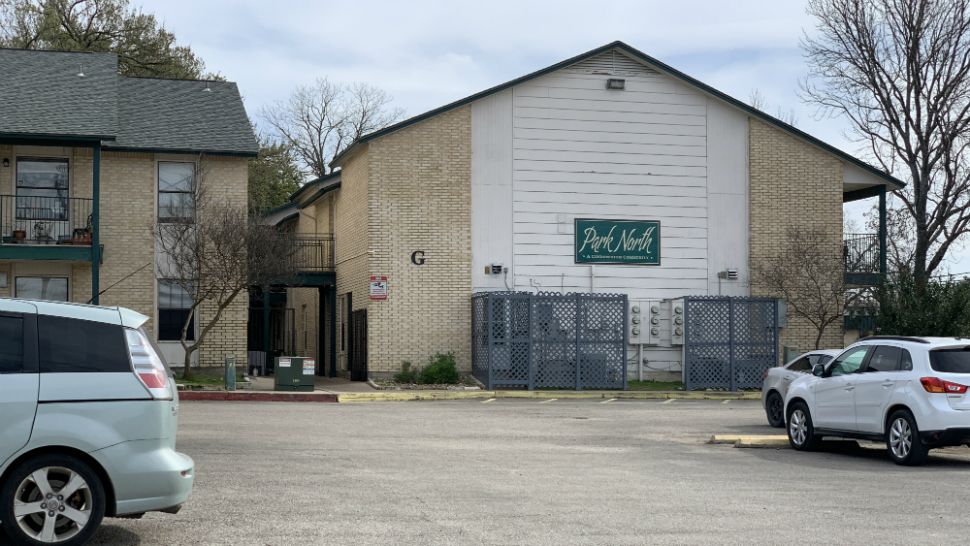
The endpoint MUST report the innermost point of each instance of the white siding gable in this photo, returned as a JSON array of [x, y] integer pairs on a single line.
[[561, 146]]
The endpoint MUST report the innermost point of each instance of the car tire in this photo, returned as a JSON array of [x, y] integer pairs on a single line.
[[775, 410], [903, 442], [45, 516], [801, 432]]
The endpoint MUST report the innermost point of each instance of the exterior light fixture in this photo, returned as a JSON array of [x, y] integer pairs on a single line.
[[616, 83], [6, 162]]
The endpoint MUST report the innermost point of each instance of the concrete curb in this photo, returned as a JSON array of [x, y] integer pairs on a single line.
[[407, 396], [258, 396], [751, 440]]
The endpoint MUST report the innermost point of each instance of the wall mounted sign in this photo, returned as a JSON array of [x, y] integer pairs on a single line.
[[378, 287], [623, 242], [417, 257]]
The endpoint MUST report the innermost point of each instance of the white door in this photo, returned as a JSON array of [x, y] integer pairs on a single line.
[[875, 386], [18, 385], [834, 394]]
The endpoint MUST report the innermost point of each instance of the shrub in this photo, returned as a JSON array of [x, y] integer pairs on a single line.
[[407, 374], [440, 370], [937, 310]]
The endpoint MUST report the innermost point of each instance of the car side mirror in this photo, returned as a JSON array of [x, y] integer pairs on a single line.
[[818, 370]]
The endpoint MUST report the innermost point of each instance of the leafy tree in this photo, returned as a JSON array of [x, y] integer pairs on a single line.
[[144, 47], [899, 72], [938, 309], [273, 177]]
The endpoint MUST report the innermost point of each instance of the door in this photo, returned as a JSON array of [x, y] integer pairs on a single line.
[[19, 381], [874, 387], [358, 346], [834, 394]]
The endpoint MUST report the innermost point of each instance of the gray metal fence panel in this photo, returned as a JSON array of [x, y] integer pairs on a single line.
[[525, 340], [729, 342]]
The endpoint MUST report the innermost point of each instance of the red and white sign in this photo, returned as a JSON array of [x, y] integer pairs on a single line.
[[378, 287]]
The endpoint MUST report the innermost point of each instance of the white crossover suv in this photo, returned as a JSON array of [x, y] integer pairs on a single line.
[[776, 382], [909, 392]]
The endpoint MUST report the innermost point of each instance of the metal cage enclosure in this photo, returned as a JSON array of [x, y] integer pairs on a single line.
[[522, 340]]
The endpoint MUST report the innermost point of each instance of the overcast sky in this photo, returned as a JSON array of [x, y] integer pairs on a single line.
[[427, 53]]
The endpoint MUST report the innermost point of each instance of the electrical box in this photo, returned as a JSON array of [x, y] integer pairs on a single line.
[[295, 373], [678, 325]]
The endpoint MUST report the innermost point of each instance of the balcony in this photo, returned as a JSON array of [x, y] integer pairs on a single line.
[[51, 228], [862, 258]]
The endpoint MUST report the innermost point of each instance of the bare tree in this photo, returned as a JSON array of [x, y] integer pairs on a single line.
[[319, 121], [759, 102], [214, 254], [899, 71], [809, 275]]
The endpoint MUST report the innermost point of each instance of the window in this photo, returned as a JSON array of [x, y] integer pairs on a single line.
[[174, 306], [42, 189], [884, 359], [41, 288], [176, 186], [956, 360], [820, 359], [71, 345], [906, 361], [801, 365], [849, 362], [11, 344]]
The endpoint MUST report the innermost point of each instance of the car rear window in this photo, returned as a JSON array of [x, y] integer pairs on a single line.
[[956, 360], [71, 345]]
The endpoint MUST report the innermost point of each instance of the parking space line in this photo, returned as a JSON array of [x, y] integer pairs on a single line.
[[608, 401], [725, 402], [668, 401], [549, 400], [487, 401]]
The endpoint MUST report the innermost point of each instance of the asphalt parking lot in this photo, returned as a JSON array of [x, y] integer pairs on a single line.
[[527, 472]]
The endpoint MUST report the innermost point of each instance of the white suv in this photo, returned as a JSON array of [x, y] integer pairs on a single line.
[[909, 392]]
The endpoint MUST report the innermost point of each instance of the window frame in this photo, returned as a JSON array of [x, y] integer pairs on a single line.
[[67, 281], [193, 334], [159, 192], [64, 199]]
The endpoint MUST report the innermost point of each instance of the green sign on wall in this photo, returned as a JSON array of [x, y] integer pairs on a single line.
[[633, 242]]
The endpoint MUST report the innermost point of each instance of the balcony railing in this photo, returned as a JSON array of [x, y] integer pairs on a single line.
[[860, 253], [30, 220], [313, 254]]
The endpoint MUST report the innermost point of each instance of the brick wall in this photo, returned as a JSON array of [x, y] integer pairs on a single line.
[[351, 241], [792, 183], [228, 178], [128, 201], [420, 199]]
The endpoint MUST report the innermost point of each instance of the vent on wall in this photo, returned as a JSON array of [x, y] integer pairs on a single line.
[[612, 63]]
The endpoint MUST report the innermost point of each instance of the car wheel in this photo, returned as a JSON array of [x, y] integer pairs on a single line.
[[775, 409], [801, 433], [53, 499], [903, 441]]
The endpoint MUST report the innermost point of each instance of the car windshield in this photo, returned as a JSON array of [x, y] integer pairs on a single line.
[[955, 360]]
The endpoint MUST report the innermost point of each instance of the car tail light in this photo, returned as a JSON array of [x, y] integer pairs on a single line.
[[940, 386], [148, 366]]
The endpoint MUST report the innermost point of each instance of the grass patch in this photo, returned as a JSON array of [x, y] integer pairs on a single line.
[[655, 386]]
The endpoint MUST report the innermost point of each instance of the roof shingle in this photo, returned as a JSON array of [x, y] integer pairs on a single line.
[[44, 96]]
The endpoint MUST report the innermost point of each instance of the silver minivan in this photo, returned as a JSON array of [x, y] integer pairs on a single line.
[[88, 417]]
